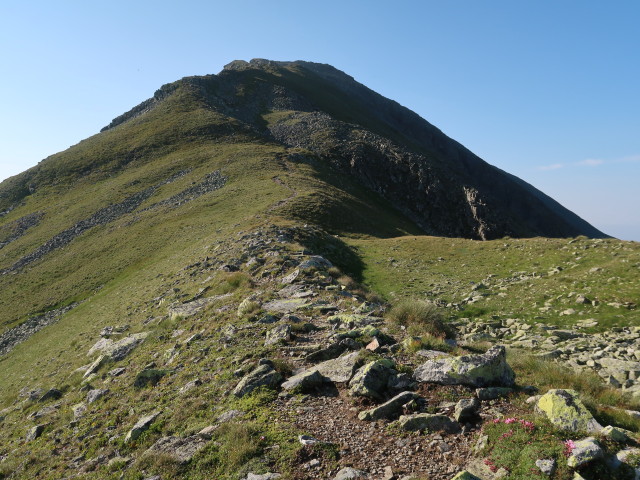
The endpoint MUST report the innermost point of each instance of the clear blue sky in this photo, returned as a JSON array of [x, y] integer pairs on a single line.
[[547, 90]]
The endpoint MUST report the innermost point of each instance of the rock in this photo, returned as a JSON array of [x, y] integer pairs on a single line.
[[116, 372], [118, 350], [95, 366], [95, 394], [307, 440], [389, 409], [428, 421], [372, 380], [141, 426], [332, 351], [262, 375], [149, 376], [78, 411], [466, 409], [341, 369], [291, 277], [316, 262], [465, 475], [286, 306], [349, 473], [615, 434], [374, 345], [264, 476], [179, 449], [230, 415], [190, 385], [546, 466], [484, 370], [281, 333], [51, 394], [584, 451], [304, 382], [564, 409], [34, 433], [629, 457], [388, 473], [492, 393]]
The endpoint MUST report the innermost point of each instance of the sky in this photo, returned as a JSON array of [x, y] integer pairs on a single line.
[[546, 90]]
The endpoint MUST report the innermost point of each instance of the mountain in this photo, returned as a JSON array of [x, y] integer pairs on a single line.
[[327, 116], [172, 288]]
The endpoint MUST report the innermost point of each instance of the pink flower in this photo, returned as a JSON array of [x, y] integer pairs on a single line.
[[510, 420]]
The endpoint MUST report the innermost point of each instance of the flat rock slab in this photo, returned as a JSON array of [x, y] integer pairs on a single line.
[[179, 449], [264, 375], [118, 350], [286, 306], [428, 421], [304, 382]]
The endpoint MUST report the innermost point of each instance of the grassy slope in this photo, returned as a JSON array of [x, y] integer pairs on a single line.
[[448, 269]]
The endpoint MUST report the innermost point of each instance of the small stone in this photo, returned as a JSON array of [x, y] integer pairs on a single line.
[[78, 411], [141, 426], [349, 473], [307, 440], [96, 394], [34, 433], [388, 409], [466, 409], [546, 466]]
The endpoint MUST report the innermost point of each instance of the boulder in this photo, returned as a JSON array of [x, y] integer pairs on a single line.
[[584, 451], [179, 449], [564, 409], [341, 369], [428, 421], [263, 375], [141, 426], [466, 409], [279, 334], [304, 382], [96, 394], [490, 368], [389, 409], [372, 380]]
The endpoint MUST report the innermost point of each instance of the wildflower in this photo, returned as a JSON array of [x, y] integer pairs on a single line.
[[569, 445], [509, 420]]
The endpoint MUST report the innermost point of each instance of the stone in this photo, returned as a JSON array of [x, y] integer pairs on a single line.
[[564, 409], [307, 440], [372, 380], [332, 351], [179, 449], [389, 409], [546, 466], [493, 393], [34, 433], [465, 475], [428, 421], [315, 261], [190, 385], [304, 382], [95, 366], [584, 451], [466, 410], [341, 369], [95, 394], [349, 473], [279, 334], [615, 434], [629, 457], [118, 350], [488, 369], [263, 375], [230, 415], [263, 476], [51, 394], [141, 426], [78, 411]]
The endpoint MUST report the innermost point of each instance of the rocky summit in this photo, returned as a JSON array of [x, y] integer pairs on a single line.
[[274, 272]]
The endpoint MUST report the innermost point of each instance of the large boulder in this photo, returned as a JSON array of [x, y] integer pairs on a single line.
[[490, 368], [341, 369], [389, 409], [564, 409], [372, 380], [263, 376]]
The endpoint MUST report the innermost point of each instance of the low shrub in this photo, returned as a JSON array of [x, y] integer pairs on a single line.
[[420, 318]]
